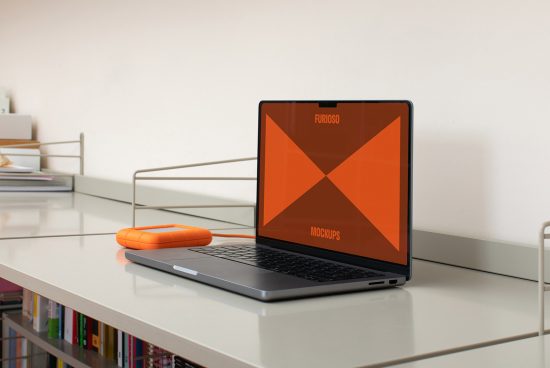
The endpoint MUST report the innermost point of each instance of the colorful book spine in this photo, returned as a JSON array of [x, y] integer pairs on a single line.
[[126, 351], [83, 331], [53, 319], [138, 353], [24, 352], [52, 361], [101, 338], [110, 343], [94, 337], [75, 328], [120, 348], [40, 313], [68, 325], [27, 304], [11, 348], [61, 317], [18, 351]]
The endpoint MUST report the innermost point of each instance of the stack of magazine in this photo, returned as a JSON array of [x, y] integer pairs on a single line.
[[10, 295], [15, 178]]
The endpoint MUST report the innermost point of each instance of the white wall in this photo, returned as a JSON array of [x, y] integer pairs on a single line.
[[166, 82]]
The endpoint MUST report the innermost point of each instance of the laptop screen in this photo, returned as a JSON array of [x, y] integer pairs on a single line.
[[335, 175]]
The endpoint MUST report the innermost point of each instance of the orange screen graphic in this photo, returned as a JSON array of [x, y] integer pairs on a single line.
[[336, 177]]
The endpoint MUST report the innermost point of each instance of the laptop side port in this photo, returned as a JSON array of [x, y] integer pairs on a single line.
[[393, 282], [376, 283]]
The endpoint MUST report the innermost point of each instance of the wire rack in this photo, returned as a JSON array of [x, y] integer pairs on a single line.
[[137, 177], [542, 285], [80, 156]]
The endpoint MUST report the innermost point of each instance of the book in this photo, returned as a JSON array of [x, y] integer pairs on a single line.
[[18, 351], [9, 287], [52, 361], [101, 338], [68, 325], [148, 355], [138, 353], [40, 313], [11, 295], [27, 304], [61, 317], [120, 348], [53, 319], [126, 351], [93, 337], [12, 348], [179, 362], [110, 348], [24, 352], [83, 331], [75, 328]]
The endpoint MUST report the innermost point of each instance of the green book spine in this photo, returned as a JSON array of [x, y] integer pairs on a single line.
[[81, 334], [53, 319]]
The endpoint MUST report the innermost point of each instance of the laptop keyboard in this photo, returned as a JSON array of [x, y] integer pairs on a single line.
[[287, 263]]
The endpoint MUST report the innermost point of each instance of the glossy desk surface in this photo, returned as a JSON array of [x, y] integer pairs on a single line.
[[443, 307], [24, 215], [533, 353]]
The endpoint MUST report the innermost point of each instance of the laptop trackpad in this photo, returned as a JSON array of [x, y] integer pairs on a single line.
[[238, 273]]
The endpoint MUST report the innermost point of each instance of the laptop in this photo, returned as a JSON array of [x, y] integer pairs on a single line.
[[333, 205]]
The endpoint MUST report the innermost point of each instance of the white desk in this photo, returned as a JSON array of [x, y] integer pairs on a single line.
[[24, 215], [444, 307], [533, 353]]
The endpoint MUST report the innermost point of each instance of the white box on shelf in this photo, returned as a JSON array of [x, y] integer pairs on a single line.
[[15, 126]]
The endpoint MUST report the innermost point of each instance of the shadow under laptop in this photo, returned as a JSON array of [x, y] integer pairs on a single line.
[[292, 333]]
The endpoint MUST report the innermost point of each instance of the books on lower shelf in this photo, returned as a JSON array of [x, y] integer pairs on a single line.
[[10, 293], [77, 329]]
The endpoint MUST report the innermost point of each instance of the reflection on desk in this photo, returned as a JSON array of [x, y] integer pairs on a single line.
[[66, 214]]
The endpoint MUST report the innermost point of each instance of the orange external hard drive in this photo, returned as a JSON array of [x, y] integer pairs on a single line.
[[163, 236]]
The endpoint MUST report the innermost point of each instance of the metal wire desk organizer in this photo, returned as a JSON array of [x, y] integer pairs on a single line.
[[80, 156], [136, 177]]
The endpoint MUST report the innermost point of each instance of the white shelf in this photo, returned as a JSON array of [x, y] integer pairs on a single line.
[[442, 308]]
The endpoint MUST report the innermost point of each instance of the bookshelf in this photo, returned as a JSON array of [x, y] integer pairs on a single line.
[[73, 355]]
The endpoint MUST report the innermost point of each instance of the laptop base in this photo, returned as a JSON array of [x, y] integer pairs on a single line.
[[254, 282]]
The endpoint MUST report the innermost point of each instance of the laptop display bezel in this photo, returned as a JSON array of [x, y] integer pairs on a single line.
[[328, 254]]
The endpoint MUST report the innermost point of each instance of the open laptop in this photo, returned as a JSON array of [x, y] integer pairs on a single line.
[[333, 205]]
